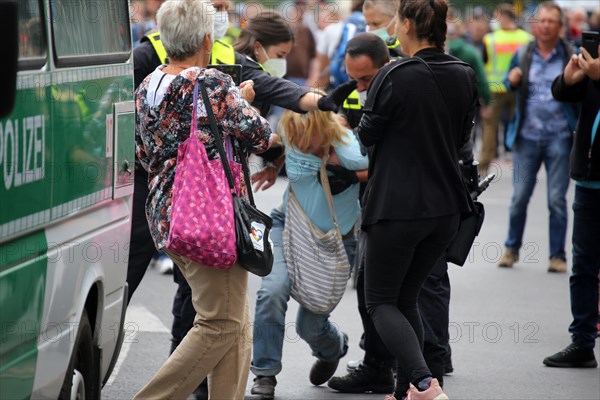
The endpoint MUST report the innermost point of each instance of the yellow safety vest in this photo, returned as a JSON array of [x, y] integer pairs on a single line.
[[222, 53], [155, 41], [392, 46], [231, 35], [352, 102], [501, 46]]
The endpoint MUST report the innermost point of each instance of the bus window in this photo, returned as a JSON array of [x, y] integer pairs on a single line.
[[32, 45], [84, 32]]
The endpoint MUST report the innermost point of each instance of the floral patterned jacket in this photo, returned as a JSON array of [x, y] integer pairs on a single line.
[[161, 128]]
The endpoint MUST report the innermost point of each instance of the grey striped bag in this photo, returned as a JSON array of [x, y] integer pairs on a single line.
[[317, 263]]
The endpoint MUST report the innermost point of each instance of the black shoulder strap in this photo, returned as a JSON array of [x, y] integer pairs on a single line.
[[380, 78], [219, 143], [438, 82]]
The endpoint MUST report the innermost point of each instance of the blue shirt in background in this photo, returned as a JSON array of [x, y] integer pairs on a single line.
[[544, 117]]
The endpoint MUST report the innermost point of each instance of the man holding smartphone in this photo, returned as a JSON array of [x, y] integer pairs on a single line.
[[580, 82]]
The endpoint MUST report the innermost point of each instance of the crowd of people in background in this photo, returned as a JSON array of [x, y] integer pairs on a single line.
[[334, 79]]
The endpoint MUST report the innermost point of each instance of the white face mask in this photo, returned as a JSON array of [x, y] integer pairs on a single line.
[[274, 66], [362, 97], [495, 25], [221, 24]]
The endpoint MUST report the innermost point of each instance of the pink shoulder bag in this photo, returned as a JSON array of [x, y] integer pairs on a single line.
[[202, 220]]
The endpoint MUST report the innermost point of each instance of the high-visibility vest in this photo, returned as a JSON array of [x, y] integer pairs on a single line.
[[222, 53], [231, 35], [352, 102], [392, 45], [159, 48], [501, 46]]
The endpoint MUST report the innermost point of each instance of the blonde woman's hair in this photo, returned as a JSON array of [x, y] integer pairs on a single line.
[[300, 129]]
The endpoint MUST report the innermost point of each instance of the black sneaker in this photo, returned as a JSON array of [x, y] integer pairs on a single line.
[[573, 356], [264, 386], [364, 379], [322, 371]]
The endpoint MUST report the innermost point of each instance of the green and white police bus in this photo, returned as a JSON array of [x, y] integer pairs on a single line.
[[66, 185]]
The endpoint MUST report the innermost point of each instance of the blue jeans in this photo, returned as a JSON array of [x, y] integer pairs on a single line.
[[528, 157], [586, 266], [324, 338]]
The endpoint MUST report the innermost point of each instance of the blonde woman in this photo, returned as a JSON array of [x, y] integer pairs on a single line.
[[307, 138]]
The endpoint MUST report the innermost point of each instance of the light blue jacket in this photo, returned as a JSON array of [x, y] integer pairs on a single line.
[[303, 171]]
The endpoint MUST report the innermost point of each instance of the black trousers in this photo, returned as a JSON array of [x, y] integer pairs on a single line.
[[434, 306], [183, 309], [400, 257], [141, 245], [376, 354]]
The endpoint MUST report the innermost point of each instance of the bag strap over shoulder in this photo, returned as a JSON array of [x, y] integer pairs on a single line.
[[469, 198], [437, 82], [219, 143], [327, 189], [215, 132]]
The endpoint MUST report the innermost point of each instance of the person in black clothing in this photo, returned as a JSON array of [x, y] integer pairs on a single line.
[[366, 54], [580, 82], [417, 124]]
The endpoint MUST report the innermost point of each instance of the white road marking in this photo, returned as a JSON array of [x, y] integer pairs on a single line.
[[137, 319]]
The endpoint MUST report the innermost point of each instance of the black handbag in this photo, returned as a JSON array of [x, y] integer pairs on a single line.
[[470, 225], [252, 226]]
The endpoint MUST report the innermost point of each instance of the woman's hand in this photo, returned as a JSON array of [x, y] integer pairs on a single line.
[[247, 91], [265, 178]]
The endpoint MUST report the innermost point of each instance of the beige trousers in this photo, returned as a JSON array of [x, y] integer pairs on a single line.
[[219, 344], [489, 143]]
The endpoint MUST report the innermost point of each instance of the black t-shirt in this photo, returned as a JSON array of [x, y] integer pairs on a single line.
[[145, 61]]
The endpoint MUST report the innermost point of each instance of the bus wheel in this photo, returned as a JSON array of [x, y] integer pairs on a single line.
[[78, 383]]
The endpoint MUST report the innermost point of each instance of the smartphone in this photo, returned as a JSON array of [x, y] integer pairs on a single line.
[[233, 70], [590, 41]]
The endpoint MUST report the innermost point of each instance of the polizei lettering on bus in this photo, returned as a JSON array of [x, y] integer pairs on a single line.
[[22, 150]]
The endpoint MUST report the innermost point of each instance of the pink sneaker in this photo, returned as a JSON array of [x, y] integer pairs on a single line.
[[434, 392]]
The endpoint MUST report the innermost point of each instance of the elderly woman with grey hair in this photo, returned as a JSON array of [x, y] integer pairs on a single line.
[[218, 346]]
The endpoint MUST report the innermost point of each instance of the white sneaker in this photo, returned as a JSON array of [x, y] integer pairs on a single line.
[[165, 265]]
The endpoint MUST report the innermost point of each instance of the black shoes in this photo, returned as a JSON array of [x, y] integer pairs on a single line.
[[364, 379], [264, 386], [322, 371], [573, 356]]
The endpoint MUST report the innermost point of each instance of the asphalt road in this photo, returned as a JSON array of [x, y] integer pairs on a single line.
[[503, 321]]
